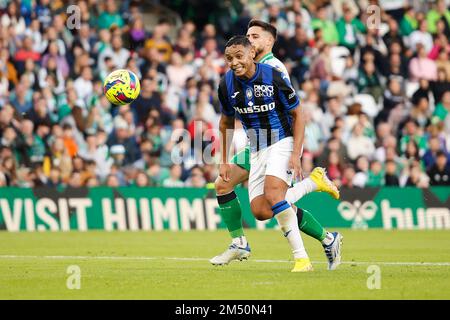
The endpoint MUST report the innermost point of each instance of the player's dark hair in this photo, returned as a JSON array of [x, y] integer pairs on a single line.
[[238, 40], [441, 153], [263, 25]]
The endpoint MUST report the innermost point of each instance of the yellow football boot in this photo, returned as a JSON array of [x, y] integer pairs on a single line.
[[319, 176], [302, 265]]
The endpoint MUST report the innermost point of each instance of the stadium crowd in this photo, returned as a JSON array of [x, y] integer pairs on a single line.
[[375, 92]]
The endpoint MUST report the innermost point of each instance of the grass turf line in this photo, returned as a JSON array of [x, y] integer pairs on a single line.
[[160, 277]]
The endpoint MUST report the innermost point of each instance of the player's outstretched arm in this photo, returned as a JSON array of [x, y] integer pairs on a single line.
[[226, 127]]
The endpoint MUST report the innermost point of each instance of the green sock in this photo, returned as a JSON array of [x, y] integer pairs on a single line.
[[230, 211], [309, 225]]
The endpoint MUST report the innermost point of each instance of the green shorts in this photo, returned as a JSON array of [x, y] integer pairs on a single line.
[[242, 158]]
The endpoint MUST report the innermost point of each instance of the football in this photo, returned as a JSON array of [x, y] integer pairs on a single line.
[[121, 87]]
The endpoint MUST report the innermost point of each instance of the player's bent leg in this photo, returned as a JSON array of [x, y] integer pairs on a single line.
[[317, 181], [233, 252], [237, 176], [324, 184], [333, 251], [309, 225], [261, 209], [274, 192], [331, 241], [231, 213]]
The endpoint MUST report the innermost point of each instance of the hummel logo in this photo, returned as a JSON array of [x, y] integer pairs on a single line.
[[234, 95], [287, 233], [289, 172]]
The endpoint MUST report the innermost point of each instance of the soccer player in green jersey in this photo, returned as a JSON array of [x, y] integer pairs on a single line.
[[262, 37]]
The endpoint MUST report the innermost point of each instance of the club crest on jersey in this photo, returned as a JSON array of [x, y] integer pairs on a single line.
[[263, 90], [249, 93]]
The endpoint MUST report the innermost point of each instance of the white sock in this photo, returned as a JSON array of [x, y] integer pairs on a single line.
[[240, 241], [329, 238], [300, 189], [287, 219]]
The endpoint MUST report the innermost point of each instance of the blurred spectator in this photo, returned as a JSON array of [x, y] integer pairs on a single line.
[[382, 95], [416, 177], [25, 52], [174, 179], [348, 28], [196, 178], [421, 38], [110, 16], [120, 137], [422, 67], [409, 22], [330, 34], [118, 54], [160, 41], [412, 133], [178, 72], [112, 181], [429, 158], [334, 168], [440, 11], [348, 176], [358, 144], [368, 80], [142, 179], [439, 173], [441, 86], [12, 18], [313, 134], [391, 177], [8, 68], [442, 111], [298, 54], [362, 172], [376, 176], [137, 34], [275, 16]]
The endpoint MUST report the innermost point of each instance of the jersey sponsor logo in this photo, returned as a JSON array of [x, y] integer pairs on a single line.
[[249, 93], [263, 90], [256, 109]]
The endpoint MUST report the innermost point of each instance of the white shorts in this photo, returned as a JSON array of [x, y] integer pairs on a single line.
[[270, 161]]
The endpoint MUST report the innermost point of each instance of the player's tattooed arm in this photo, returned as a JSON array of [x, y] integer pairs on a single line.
[[298, 127], [226, 127]]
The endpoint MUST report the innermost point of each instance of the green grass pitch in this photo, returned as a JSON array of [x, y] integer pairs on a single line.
[[174, 265]]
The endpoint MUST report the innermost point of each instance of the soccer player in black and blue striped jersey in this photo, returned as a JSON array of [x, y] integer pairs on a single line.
[[262, 98], [262, 36]]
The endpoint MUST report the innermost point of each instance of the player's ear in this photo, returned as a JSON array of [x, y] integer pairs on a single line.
[[253, 52]]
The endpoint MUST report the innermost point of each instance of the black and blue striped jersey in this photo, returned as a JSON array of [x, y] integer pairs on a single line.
[[262, 103]]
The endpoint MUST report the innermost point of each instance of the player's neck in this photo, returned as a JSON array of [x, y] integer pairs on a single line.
[[264, 56]]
